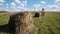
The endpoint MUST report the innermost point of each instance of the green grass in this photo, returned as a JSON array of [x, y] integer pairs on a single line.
[[49, 24], [3, 19]]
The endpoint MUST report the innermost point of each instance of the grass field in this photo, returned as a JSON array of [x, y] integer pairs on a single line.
[[49, 24]]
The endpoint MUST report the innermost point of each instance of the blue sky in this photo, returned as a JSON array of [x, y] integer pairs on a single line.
[[29, 5]]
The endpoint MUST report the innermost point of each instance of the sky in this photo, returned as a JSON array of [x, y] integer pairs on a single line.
[[29, 5]]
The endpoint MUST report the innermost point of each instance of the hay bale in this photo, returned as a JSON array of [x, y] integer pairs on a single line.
[[36, 14], [21, 23], [40, 14]]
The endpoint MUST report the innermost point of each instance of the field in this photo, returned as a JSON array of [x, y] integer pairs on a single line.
[[48, 24]]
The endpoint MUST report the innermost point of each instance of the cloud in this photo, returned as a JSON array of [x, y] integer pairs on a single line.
[[36, 5], [23, 3], [52, 7], [2, 1], [43, 2], [6, 7], [21, 7], [17, 1], [57, 2], [17, 5], [10, 7], [12, 4], [1, 4], [32, 9]]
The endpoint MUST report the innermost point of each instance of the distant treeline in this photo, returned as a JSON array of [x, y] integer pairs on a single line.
[[3, 11]]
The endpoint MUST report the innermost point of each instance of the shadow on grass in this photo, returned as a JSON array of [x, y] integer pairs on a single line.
[[4, 28]]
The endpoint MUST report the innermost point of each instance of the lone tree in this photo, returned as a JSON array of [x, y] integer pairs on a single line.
[[43, 13], [21, 23], [42, 9]]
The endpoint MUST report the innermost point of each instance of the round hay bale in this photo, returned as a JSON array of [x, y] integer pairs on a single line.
[[21, 23], [40, 14], [36, 14]]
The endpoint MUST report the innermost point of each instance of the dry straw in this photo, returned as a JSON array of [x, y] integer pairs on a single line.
[[21, 23]]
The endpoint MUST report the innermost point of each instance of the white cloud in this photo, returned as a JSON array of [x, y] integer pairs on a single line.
[[52, 7], [36, 5], [12, 4], [57, 0], [43, 2], [32, 9], [24, 3], [17, 1], [1, 4], [10, 7], [2, 1], [7, 5]]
